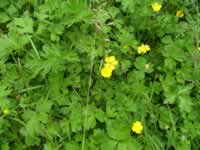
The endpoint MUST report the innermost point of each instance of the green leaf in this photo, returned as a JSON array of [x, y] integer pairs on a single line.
[[184, 145], [109, 145], [100, 115], [174, 52], [126, 4], [140, 63], [185, 104], [4, 91], [53, 59], [32, 127], [5, 49], [72, 146], [5, 146], [22, 25], [131, 144], [125, 65], [118, 130], [167, 39], [76, 118], [90, 118], [76, 11], [50, 146], [4, 17], [170, 63], [43, 105], [165, 119]]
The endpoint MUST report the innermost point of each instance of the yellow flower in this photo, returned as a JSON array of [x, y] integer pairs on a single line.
[[137, 127], [166, 126], [111, 66], [156, 6], [6, 111], [106, 72], [147, 66], [111, 60], [144, 48], [179, 13], [199, 48]]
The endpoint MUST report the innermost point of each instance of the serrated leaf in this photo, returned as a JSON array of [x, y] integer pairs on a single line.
[[22, 25], [44, 105], [185, 104], [76, 11]]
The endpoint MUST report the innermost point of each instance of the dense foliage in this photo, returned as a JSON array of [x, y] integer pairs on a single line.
[[55, 96]]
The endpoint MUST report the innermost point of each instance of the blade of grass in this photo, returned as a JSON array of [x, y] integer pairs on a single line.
[[87, 102], [33, 45]]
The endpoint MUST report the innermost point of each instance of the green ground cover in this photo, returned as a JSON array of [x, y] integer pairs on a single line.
[[99, 74]]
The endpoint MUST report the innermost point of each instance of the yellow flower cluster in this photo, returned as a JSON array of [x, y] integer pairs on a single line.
[[179, 13], [137, 127], [156, 6], [109, 66], [144, 48]]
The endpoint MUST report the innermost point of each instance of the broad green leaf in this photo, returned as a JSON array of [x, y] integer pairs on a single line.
[[130, 144], [4, 17], [109, 145], [140, 63], [72, 145], [118, 130]]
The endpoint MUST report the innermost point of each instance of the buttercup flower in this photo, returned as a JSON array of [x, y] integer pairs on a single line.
[[156, 6], [179, 13], [137, 127], [109, 66], [106, 72], [111, 60], [144, 48], [147, 66]]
